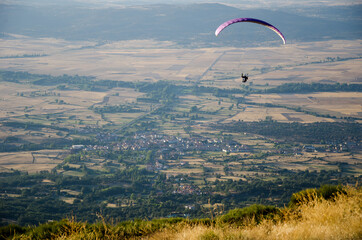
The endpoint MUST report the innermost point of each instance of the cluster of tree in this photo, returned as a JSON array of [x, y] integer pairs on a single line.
[[13, 144], [80, 82], [314, 87], [43, 79], [53, 144], [37, 93], [246, 216], [114, 109], [163, 90], [318, 132], [138, 193], [138, 229], [160, 91]]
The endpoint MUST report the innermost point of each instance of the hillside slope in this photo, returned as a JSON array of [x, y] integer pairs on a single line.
[[327, 213]]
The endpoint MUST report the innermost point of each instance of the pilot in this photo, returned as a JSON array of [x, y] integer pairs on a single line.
[[244, 77]]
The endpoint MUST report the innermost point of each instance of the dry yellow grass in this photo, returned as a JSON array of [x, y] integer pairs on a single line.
[[316, 219], [319, 219]]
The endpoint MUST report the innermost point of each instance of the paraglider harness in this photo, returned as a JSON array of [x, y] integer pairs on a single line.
[[244, 77]]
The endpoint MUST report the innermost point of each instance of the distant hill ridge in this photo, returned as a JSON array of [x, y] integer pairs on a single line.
[[190, 24]]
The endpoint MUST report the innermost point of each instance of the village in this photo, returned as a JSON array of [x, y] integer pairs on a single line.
[[169, 147], [173, 147]]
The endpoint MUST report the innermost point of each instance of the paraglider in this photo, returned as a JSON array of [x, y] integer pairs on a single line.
[[252, 20]]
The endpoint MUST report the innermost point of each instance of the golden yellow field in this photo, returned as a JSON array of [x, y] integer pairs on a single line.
[[152, 61], [346, 104], [148, 60], [16, 102], [13, 105], [32, 162]]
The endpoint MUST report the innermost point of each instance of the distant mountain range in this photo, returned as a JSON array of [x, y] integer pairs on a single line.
[[190, 24]]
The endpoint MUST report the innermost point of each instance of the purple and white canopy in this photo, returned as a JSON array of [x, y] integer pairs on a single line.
[[252, 20]]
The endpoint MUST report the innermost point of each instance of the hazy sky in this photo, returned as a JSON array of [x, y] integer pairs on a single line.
[[240, 3]]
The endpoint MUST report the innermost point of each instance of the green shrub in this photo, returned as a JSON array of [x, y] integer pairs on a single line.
[[50, 229], [201, 221], [11, 230], [255, 212], [327, 192]]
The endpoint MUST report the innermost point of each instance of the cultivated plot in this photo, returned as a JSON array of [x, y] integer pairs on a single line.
[[148, 60], [31, 161]]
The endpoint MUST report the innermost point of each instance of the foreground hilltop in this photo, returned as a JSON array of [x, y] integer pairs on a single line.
[[327, 213]]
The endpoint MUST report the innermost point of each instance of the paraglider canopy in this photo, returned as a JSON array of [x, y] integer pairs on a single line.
[[252, 20]]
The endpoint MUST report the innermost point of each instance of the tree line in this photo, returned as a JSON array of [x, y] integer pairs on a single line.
[[318, 132], [138, 193], [160, 88]]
